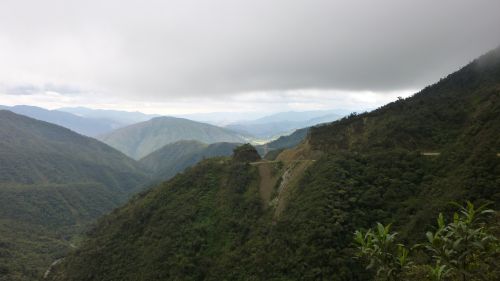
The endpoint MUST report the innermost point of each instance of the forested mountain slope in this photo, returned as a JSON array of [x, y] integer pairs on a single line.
[[52, 183], [213, 222], [33, 151], [440, 115], [173, 158], [140, 139]]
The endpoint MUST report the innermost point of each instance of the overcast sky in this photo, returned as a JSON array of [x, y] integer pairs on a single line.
[[184, 56]]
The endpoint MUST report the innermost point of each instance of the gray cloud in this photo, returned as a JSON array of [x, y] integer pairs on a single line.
[[21, 90], [27, 89], [159, 50]]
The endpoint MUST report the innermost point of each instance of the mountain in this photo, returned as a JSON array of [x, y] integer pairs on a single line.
[[122, 118], [81, 125], [140, 139], [298, 116], [283, 142], [34, 151], [283, 123], [173, 158], [53, 183], [294, 218], [221, 118]]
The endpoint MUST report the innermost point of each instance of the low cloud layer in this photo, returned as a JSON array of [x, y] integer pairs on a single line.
[[159, 51]]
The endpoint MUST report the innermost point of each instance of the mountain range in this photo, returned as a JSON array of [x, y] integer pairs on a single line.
[[139, 140], [293, 218], [120, 117], [283, 123], [98, 122], [79, 124]]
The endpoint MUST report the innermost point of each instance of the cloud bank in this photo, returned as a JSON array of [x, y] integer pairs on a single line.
[[161, 51]]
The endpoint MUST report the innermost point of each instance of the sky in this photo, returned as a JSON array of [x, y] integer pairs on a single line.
[[186, 56]]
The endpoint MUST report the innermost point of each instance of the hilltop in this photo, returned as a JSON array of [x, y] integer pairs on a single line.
[[140, 139]]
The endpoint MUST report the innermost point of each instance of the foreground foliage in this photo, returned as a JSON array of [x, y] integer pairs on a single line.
[[464, 249]]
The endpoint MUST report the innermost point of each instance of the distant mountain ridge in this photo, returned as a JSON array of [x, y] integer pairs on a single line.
[[139, 140], [283, 123], [82, 125], [297, 116], [123, 118]]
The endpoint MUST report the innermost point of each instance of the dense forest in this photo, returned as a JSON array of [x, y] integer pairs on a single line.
[[53, 184], [401, 164], [173, 158]]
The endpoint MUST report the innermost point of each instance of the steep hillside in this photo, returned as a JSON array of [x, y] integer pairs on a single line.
[[81, 125], [53, 182], [433, 119], [173, 158], [33, 151], [140, 139], [294, 218], [207, 211]]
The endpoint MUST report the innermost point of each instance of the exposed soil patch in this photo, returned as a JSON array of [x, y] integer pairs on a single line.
[[267, 182]]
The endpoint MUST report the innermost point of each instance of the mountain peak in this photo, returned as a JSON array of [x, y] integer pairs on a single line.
[[139, 140]]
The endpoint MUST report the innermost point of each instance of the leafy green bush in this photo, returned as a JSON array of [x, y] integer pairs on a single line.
[[464, 249]]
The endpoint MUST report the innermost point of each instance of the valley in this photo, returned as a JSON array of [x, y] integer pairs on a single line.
[[249, 140]]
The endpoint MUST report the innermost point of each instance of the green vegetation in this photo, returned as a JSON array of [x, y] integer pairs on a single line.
[[33, 152], [53, 183], [141, 139], [209, 223], [464, 249], [462, 108], [173, 158], [182, 229], [283, 142], [245, 153]]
